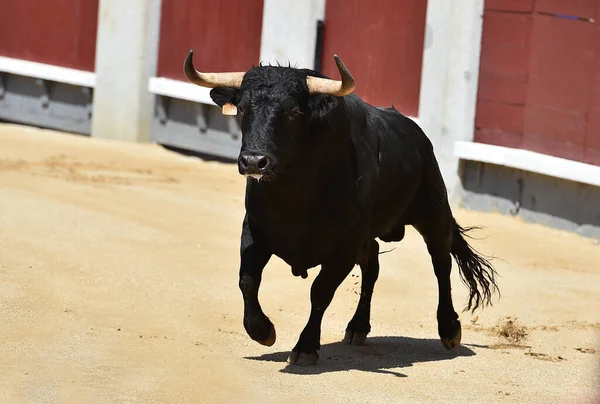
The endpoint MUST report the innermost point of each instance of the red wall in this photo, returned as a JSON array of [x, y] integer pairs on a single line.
[[381, 42], [539, 83], [57, 32], [225, 35]]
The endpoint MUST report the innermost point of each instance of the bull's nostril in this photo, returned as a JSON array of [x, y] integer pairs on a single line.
[[263, 163], [244, 162]]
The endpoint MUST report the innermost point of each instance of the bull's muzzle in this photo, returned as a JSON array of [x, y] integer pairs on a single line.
[[254, 164]]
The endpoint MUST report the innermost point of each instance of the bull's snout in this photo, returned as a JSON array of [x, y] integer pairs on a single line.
[[254, 164]]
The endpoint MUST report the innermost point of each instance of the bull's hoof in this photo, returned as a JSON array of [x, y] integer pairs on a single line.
[[271, 339], [450, 343], [302, 358], [355, 338], [260, 329]]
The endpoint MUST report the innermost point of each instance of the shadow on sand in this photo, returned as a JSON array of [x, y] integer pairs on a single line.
[[378, 355]]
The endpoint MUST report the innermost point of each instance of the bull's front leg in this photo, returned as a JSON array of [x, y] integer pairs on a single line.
[[321, 295], [254, 258]]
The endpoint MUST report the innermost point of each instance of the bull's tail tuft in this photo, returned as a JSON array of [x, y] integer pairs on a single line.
[[476, 272]]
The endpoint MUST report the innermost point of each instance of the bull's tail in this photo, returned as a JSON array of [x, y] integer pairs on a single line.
[[476, 272]]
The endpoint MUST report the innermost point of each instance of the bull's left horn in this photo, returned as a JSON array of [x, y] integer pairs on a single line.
[[317, 85], [211, 80]]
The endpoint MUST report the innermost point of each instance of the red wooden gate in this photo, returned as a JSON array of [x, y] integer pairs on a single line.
[[539, 83], [57, 32], [225, 35], [381, 42]]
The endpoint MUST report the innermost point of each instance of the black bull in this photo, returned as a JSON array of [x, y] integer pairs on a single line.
[[327, 175]]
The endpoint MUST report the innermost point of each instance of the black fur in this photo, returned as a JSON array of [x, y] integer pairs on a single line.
[[342, 173]]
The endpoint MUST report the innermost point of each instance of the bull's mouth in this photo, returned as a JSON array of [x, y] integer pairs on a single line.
[[257, 177], [262, 177]]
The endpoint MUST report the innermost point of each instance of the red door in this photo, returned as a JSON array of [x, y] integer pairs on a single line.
[[540, 77], [381, 42], [57, 32], [225, 35]]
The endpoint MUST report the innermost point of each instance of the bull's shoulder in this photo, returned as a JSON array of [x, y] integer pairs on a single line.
[[391, 125]]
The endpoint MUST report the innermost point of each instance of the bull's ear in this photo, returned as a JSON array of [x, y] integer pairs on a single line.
[[224, 95], [320, 106]]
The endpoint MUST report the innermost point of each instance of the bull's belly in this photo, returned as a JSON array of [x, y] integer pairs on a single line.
[[305, 248], [301, 255], [307, 237]]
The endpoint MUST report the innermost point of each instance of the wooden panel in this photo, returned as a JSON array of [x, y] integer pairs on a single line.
[[381, 42], [504, 70], [577, 8], [549, 31], [507, 28], [561, 82], [592, 138], [506, 43], [539, 85], [505, 59], [509, 5], [506, 88], [555, 132], [57, 32], [498, 138], [499, 116], [546, 145], [225, 35], [562, 68], [563, 63]]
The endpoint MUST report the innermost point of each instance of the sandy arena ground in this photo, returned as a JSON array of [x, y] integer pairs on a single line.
[[118, 284]]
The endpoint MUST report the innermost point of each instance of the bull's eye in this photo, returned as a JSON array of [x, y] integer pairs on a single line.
[[294, 113], [240, 110]]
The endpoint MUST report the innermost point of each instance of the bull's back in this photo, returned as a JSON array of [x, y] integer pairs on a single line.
[[407, 169]]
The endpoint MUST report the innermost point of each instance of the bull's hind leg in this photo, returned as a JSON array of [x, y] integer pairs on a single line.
[[360, 325], [437, 234]]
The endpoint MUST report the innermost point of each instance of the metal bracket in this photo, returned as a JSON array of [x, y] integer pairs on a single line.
[[89, 93], [201, 117], [45, 97], [2, 87], [479, 173], [319, 46], [234, 127], [517, 207], [162, 106]]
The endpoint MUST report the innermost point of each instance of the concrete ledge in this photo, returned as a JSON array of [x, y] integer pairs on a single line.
[[47, 104], [47, 72], [529, 161], [179, 89], [533, 197], [196, 127]]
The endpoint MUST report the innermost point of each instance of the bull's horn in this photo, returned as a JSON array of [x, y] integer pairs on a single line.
[[211, 80], [317, 85]]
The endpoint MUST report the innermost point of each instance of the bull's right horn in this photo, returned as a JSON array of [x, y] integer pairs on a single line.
[[317, 85], [211, 80]]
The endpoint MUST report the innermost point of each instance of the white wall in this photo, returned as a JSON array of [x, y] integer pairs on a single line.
[[126, 57], [289, 31], [449, 81]]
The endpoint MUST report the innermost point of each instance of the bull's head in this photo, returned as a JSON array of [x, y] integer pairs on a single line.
[[277, 105]]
